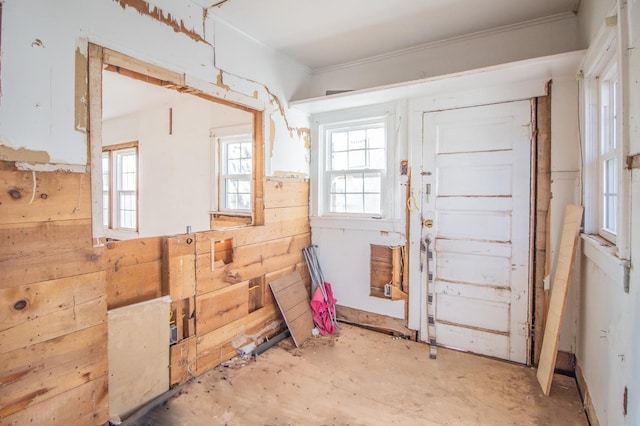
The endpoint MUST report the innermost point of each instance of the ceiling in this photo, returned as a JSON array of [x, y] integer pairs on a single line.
[[324, 33]]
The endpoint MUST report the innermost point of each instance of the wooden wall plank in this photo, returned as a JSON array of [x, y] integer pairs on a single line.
[[134, 284], [27, 302], [132, 252], [47, 369], [222, 344], [218, 308], [251, 261], [87, 310], [559, 292], [83, 405], [285, 193], [179, 266], [183, 361], [293, 301], [58, 196], [35, 252]]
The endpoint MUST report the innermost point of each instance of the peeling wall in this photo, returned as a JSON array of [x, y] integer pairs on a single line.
[[44, 45]]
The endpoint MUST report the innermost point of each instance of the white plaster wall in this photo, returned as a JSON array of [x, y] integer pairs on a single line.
[[509, 44], [39, 42], [591, 14]]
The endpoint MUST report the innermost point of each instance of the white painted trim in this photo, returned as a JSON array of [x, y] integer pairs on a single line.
[[604, 257], [537, 70], [451, 40]]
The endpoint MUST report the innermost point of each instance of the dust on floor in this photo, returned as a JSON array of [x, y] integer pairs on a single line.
[[362, 377]]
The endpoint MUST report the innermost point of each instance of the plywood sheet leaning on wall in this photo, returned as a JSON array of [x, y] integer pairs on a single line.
[[293, 300], [559, 291], [138, 355]]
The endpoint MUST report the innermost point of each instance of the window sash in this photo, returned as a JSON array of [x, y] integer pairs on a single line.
[[120, 188], [236, 174]]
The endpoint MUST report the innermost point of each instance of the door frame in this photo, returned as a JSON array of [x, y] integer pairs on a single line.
[[540, 181]]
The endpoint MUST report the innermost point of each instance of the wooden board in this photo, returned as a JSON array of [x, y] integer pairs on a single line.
[[559, 291], [384, 323], [45, 370], [138, 355], [34, 313], [134, 284], [218, 308], [293, 301], [179, 266], [183, 361]]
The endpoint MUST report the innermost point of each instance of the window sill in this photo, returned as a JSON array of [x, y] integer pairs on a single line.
[[603, 254], [356, 223]]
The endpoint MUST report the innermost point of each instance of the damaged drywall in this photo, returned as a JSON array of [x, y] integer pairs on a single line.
[[146, 8]]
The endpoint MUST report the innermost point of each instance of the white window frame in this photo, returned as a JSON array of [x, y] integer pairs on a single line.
[[114, 173], [602, 63], [224, 174]]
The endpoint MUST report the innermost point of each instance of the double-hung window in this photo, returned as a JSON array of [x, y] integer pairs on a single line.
[[355, 167], [120, 186], [236, 165], [609, 152]]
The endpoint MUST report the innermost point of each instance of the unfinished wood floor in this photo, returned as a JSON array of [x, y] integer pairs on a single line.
[[368, 378]]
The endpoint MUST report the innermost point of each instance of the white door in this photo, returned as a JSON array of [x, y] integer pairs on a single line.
[[476, 166]]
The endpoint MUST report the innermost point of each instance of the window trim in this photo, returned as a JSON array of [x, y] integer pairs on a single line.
[[112, 151], [319, 202], [604, 53]]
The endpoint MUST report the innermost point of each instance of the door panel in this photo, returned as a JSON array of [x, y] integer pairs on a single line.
[[478, 162]]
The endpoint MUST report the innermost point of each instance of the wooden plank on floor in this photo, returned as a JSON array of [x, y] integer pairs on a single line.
[[293, 300], [84, 405], [219, 308], [559, 292], [375, 321], [42, 371], [43, 311]]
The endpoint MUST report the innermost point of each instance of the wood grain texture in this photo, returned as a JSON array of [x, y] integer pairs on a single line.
[[375, 321], [52, 309], [134, 284], [218, 308], [293, 300], [58, 196], [41, 371], [222, 344], [83, 405], [182, 357], [179, 266], [559, 291]]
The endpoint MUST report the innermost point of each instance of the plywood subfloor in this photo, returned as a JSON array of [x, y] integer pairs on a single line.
[[368, 378]]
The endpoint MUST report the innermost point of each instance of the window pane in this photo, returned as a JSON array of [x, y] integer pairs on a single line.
[[357, 139], [232, 185], [244, 186], [338, 141], [337, 203], [232, 201], [372, 203], [233, 150], [355, 203], [377, 159], [354, 183], [246, 150], [357, 159], [610, 195], [244, 201], [339, 161], [372, 183], [245, 166], [338, 183], [376, 137], [233, 167]]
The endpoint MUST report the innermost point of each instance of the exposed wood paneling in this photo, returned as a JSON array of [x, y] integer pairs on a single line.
[[29, 302], [179, 266], [222, 344], [133, 284], [183, 361], [78, 308], [83, 405], [559, 291], [218, 308], [35, 252], [58, 196], [251, 261], [293, 301], [183, 316], [44, 370], [285, 193], [132, 252]]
